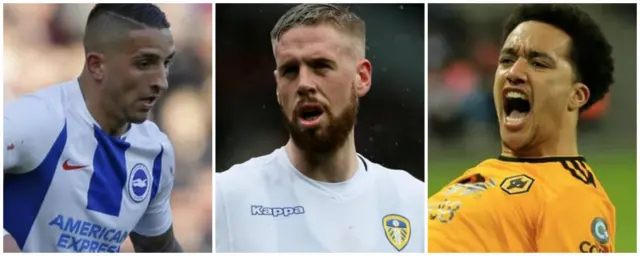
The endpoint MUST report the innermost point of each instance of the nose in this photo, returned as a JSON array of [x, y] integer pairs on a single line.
[[517, 74], [306, 84], [161, 83]]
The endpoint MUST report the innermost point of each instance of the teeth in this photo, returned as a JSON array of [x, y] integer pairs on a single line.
[[515, 118], [516, 95]]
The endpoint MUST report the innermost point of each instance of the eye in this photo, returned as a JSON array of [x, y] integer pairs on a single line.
[[537, 64], [144, 64], [321, 65], [290, 71], [505, 60]]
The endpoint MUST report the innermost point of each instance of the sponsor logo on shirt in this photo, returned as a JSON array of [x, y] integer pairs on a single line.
[[588, 247], [443, 211], [276, 211], [84, 236]]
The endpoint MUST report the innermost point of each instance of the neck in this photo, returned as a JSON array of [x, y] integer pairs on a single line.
[[562, 142], [98, 107], [337, 166]]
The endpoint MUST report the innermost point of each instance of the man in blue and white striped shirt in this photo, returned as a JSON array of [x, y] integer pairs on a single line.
[[84, 169]]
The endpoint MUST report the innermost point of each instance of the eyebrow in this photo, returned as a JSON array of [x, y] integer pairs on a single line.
[[287, 64], [529, 54], [323, 59], [149, 55], [294, 62]]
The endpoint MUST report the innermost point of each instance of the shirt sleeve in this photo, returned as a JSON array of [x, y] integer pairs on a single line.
[[158, 217], [223, 242], [31, 126], [574, 224]]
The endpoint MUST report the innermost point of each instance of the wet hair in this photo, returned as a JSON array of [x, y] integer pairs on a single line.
[[590, 52]]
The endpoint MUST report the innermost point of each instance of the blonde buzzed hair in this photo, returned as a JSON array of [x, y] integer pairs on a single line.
[[337, 16]]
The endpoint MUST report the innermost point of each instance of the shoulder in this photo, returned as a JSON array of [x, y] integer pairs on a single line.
[[41, 107], [572, 183], [34, 123], [578, 210], [400, 179], [252, 175], [149, 131], [252, 169]]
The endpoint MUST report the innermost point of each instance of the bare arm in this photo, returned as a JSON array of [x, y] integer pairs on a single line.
[[163, 243], [10, 244]]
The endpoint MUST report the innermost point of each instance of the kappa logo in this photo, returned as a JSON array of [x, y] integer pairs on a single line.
[[139, 183], [397, 230], [276, 211], [518, 184]]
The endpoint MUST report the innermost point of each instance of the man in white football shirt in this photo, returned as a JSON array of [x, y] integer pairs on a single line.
[[316, 194], [83, 167]]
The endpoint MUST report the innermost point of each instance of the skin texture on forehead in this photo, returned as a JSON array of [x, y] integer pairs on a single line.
[[542, 37], [149, 40]]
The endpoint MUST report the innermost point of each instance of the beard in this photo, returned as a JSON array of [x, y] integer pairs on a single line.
[[323, 139]]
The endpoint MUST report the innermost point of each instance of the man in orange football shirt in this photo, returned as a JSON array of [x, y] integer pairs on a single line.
[[539, 195]]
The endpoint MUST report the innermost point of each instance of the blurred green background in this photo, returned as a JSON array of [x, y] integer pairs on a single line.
[[463, 43]]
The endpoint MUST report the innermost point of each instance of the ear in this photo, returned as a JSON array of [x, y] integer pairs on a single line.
[[363, 77], [95, 63], [579, 96], [275, 77]]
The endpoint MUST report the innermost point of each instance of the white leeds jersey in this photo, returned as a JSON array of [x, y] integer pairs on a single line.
[[70, 187], [267, 205]]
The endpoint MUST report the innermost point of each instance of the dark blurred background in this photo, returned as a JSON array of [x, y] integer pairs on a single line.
[[43, 46], [463, 43], [390, 128]]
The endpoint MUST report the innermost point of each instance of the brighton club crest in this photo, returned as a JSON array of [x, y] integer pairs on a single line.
[[139, 183]]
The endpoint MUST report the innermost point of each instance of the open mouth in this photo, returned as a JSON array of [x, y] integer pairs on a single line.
[[309, 115], [149, 100], [516, 108]]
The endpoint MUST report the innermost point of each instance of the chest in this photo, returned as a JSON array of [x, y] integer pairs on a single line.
[[103, 180], [500, 209], [296, 218]]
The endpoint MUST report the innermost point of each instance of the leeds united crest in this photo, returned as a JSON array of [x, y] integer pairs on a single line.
[[397, 230]]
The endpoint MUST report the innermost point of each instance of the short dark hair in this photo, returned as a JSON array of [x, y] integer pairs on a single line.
[[590, 51], [107, 21]]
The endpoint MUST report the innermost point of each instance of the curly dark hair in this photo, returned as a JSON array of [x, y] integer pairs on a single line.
[[590, 51]]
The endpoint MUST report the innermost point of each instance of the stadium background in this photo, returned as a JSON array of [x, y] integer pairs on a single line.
[[390, 128], [463, 43], [43, 46]]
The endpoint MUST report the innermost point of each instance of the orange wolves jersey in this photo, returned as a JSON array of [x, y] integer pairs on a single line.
[[508, 204]]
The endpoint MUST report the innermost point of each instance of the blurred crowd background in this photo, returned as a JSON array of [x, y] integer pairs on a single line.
[[463, 47], [390, 127], [43, 46]]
